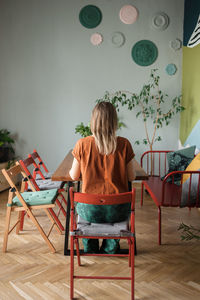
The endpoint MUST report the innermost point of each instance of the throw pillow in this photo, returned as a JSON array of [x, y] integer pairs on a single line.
[[178, 161], [194, 189]]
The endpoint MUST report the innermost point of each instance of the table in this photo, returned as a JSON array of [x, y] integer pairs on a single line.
[[62, 174]]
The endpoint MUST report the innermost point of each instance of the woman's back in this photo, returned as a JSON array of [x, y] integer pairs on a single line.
[[103, 174]]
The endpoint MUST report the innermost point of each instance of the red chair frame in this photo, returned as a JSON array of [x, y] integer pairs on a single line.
[[163, 193], [75, 235], [38, 165], [25, 163]]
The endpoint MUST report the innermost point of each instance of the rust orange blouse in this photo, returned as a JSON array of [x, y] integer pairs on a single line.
[[103, 174]]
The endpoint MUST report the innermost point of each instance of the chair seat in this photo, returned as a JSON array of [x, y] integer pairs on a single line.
[[36, 198], [47, 175], [102, 229], [48, 184]]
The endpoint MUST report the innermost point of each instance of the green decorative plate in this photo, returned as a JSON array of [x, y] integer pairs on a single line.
[[90, 16], [144, 53]]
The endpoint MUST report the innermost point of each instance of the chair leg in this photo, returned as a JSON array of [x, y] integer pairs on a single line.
[[129, 256], [63, 198], [78, 252], [132, 268], [53, 222], [159, 225], [50, 245], [61, 207], [5, 241], [72, 268], [142, 192], [18, 227], [56, 219]]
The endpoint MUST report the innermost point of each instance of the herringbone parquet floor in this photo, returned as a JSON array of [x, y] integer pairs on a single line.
[[168, 272]]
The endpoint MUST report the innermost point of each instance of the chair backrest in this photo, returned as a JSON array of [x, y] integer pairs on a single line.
[[155, 162], [98, 199], [10, 174], [26, 164], [38, 160]]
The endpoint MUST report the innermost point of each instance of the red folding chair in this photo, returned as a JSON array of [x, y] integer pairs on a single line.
[[41, 185], [41, 171], [82, 229]]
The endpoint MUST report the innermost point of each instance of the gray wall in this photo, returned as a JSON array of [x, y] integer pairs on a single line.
[[51, 75]]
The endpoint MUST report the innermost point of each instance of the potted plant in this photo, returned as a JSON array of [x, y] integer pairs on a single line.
[[6, 155], [6, 148]]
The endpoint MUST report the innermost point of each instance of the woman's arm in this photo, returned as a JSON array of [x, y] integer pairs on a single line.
[[75, 170], [131, 170]]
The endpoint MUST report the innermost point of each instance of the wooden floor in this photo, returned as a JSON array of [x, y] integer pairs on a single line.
[[171, 271]]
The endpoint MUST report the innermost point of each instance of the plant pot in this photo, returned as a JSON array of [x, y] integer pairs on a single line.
[[4, 154]]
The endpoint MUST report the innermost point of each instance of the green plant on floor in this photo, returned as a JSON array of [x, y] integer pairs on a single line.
[[189, 232], [149, 105], [6, 146]]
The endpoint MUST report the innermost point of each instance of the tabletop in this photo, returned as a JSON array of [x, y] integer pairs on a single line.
[[62, 172]]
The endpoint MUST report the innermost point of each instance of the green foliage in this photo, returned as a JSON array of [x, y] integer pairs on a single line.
[[148, 104], [189, 232], [84, 130], [6, 140]]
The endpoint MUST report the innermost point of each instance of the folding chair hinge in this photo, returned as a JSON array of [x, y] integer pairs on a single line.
[[29, 176], [36, 169], [25, 179], [13, 189], [40, 163]]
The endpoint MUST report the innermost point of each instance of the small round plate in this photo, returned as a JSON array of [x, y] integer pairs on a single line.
[[171, 69], [96, 39], [144, 53], [117, 39], [160, 21], [128, 14], [90, 16], [176, 44]]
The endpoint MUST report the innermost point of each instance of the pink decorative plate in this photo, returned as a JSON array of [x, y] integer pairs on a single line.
[[128, 14], [96, 39]]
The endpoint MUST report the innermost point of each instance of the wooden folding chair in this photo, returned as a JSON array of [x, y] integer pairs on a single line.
[[28, 201], [84, 229], [41, 185]]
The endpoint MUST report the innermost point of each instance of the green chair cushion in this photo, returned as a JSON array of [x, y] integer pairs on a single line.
[[36, 198]]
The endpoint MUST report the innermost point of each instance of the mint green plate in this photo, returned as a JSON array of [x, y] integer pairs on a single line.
[[90, 16]]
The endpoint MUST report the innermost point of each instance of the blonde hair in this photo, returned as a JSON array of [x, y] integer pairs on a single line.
[[104, 126]]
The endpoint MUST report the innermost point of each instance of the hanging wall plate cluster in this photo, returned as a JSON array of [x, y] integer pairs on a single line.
[[128, 14], [90, 16], [117, 39], [144, 53], [160, 21], [96, 39]]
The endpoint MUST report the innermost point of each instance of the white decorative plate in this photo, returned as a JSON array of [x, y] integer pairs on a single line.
[[176, 44], [96, 39], [160, 21], [128, 14], [117, 39]]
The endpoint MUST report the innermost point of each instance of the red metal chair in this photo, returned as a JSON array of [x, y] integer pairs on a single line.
[[162, 192], [41, 171], [46, 184], [120, 230]]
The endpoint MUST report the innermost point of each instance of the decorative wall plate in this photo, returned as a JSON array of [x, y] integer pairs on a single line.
[[160, 21], [176, 44], [90, 16], [128, 14], [171, 69], [144, 53], [117, 39], [96, 39]]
